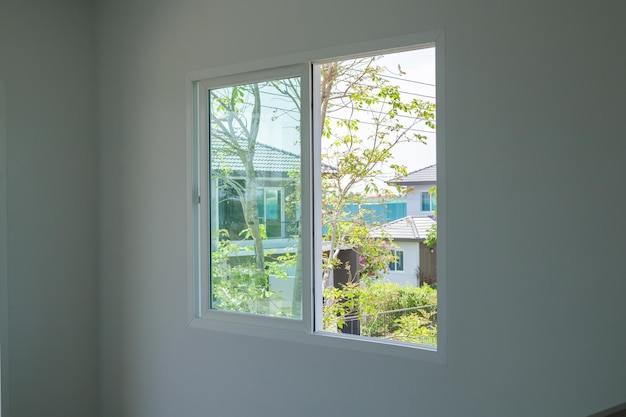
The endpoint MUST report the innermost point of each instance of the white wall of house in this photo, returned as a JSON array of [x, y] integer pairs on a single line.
[[414, 202], [518, 74], [283, 289], [411, 262]]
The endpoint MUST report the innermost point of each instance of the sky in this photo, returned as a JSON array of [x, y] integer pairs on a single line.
[[420, 68]]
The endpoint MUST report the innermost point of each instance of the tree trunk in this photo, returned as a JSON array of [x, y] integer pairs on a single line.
[[251, 216]]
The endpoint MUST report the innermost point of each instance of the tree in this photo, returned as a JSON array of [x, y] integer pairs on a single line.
[[235, 125], [364, 118]]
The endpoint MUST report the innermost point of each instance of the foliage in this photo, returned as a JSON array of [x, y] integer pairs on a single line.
[[376, 306], [431, 234], [375, 255], [386, 296], [340, 303], [240, 286], [416, 328]]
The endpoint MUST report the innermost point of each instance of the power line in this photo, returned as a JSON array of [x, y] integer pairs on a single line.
[[293, 110], [411, 93], [400, 79], [408, 81], [384, 125]]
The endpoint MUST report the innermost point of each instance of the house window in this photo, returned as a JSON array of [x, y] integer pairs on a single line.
[[271, 212], [287, 162], [397, 264], [428, 202], [273, 220]]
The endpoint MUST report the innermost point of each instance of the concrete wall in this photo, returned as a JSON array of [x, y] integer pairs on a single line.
[[47, 64], [534, 114]]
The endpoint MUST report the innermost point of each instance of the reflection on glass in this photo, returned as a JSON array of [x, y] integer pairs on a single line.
[[254, 154]]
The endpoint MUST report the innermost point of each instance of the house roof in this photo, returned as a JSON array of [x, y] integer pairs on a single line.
[[266, 159], [427, 175], [406, 228]]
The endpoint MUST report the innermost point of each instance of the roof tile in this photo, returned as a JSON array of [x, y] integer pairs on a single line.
[[406, 228], [427, 175]]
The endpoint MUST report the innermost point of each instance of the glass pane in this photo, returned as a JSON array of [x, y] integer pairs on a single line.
[[271, 204], [231, 220], [273, 213], [425, 201], [253, 142], [378, 133]]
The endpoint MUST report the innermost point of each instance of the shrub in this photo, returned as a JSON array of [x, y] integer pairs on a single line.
[[376, 304], [417, 328]]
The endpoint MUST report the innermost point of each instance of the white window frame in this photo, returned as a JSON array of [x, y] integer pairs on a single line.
[[307, 330], [201, 264], [395, 263], [430, 202]]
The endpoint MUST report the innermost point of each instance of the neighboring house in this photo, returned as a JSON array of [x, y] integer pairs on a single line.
[[275, 169], [415, 260], [277, 178], [408, 234], [419, 201]]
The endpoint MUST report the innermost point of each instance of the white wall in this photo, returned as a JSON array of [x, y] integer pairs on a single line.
[[414, 201], [534, 114], [411, 263], [47, 64], [4, 300]]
